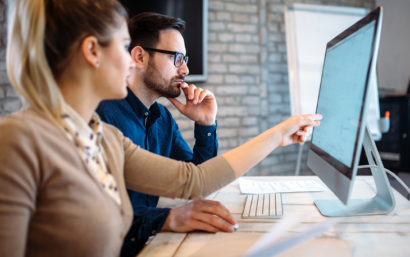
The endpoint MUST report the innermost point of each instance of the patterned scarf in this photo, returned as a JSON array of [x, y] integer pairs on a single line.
[[87, 139]]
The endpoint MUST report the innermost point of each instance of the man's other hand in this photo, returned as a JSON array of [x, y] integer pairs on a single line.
[[201, 214], [200, 105]]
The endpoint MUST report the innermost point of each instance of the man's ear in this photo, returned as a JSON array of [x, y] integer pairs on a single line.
[[91, 51], [139, 56]]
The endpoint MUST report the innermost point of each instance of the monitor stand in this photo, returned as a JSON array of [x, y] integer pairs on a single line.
[[382, 203]]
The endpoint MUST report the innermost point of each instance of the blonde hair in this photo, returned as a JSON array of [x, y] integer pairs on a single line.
[[27, 66], [41, 36]]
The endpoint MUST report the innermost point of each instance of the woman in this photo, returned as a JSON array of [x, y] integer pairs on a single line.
[[63, 173]]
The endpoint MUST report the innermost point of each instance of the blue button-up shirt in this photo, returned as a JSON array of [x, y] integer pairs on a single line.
[[158, 134]]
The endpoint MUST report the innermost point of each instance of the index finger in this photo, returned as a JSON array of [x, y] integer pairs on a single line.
[[312, 119]]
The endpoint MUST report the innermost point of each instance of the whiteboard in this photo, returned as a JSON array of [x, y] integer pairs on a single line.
[[308, 29]]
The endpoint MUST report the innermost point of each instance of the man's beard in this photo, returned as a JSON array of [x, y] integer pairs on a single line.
[[154, 81]]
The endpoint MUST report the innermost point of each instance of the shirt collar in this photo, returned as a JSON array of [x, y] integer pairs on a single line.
[[140, 109]]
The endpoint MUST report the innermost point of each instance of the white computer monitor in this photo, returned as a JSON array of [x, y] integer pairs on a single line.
[[344, 95]]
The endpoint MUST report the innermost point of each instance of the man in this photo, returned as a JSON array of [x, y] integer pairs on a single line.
[[158, 50]]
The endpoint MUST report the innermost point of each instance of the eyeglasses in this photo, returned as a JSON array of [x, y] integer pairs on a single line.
[[179, 58]]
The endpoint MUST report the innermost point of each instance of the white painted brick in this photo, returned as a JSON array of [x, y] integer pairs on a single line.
[[251, 100], [243, 48], [3, 66], [216, 26], [250, 131], [243, 69], [211, 36], [227, 132], [253, 90], [253, 110], [275, 98], [215, 78], [224, 100], [275, 108], [232, 79], [216, 5], [214, 57], [217, 47], [249, 58], [275, 78], [255, 38], [229, 122], [226, 37], [229, 58], [249, 121], [274, 28], [247, 38], [223, 16], [11, 92], [226, 144], [248, 79], [278, 8], [2, 53], [185, 124], [217, 68], [244, 8], [241, 28], [12, 104], [3, 78], [281, 47], [275, 57], [275, 17], [241, 17], [232, 90], [236, 111], [2, 12], [278, 67]]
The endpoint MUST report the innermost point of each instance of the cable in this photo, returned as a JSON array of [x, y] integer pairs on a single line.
[[391, 173]]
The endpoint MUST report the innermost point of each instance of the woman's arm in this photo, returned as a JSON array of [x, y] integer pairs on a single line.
[[293, 130], [18, 170], [157, 175]]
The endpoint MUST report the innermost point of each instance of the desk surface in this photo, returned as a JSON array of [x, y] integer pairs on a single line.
[[376, 235]]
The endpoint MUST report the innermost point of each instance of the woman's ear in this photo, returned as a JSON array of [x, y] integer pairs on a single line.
[[90, 49], [140, 57]]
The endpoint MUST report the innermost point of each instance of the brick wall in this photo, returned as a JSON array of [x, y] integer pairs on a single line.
[[247, 71]]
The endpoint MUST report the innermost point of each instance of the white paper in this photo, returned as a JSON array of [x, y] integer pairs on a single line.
[[249, 186]]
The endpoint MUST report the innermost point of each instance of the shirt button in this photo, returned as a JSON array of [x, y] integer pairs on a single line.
[[132, 239], [209, 134], [146, 113]]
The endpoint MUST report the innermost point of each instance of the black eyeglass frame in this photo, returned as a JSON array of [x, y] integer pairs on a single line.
[[174, 53]]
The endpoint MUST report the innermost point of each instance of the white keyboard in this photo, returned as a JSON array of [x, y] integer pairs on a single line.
[[263, 206]]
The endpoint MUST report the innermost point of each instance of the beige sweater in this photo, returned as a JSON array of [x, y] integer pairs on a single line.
[[51, 205]]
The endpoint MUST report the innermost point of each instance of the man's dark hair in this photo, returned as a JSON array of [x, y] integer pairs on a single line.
[[145, 27]]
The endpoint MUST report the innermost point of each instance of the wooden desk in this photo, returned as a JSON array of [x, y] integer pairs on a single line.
[[377, 235]]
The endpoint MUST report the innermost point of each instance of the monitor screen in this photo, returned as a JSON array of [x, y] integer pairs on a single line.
[[344, 94], [195, 14], [341, 97]]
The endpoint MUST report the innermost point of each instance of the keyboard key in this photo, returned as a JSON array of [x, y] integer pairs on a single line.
[[263, 206]]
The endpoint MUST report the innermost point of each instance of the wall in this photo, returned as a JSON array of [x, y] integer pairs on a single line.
[[247, 71], [393, 65]]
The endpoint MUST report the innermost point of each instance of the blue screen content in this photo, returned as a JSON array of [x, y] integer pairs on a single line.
[[342, 89]]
